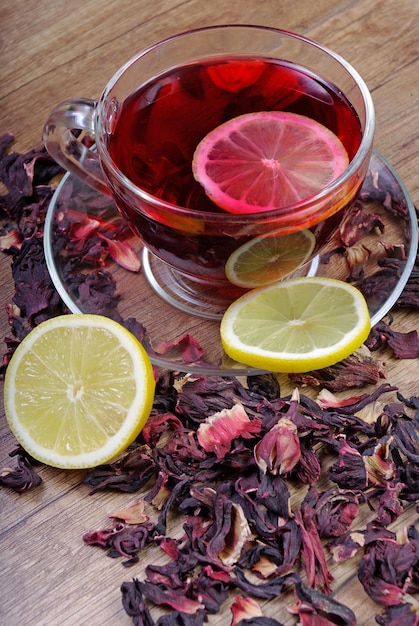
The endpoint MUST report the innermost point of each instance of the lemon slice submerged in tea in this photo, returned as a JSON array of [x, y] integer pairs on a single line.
[[297, 325], [78, 390], [266, 160], [265, 260]]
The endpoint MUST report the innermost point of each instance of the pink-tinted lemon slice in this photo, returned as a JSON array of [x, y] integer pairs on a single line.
[[267, 160]]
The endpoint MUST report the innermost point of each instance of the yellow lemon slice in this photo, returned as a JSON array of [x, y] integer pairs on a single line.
[[296, 325], [265, 260], [78, 390], [267, 160]]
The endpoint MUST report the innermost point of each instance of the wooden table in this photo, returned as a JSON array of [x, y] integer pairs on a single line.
[[54, 50]]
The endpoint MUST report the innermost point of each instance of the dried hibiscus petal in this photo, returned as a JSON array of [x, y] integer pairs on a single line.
[[349, 471], [10, 239], [129, 474], [20, 478], [410, 294], [356, 258], [243, 608], [312, 554], [405, 345], [133, 514], [122, 253], [405, 614], [387, 568], [157, 424], [347, 545], [279, 450], [34, 291], [334, 510], [380, 185], [357, 370], [219, 430], [97, 290], [211, 587], [228, 530], [308, 469], [357, 223], [247, 612], [204, 396], [134, 604], [275, 555], [121, 540], [178, 618], [315, 608], [389, 504], [379, 464], [176, 599], [238, 532], [185, 347], [267, 590]]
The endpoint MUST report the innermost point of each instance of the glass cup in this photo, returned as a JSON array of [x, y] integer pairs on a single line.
[[143, 148]]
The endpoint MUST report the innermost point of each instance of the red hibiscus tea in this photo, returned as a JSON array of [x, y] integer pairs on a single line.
[[158, 107], [159, 126]]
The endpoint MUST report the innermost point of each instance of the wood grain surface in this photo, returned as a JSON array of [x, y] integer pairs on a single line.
[[54, 50]]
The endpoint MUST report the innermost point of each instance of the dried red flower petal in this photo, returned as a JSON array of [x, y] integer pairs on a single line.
[[357, 370], [185, 347], [10, 239], [317, 609], [133, 514], [278, 451], [389, 504], [20, 478], [347, 546], [238, 534], [312, 554], [379, 464], [357, 223], [134, 603], [309, 468], [128, 474], [327, 400], [244, 608], [405, 345], [176, 599], [334, 510], [357, 256], [219, 430], [121, 540], [380, 185], [405, 614], [349, 471], [35, 294], [268, 590], [157, 424], [122, 253], [386, 570]]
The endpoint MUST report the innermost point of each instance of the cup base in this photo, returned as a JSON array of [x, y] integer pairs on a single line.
[[195, 297]]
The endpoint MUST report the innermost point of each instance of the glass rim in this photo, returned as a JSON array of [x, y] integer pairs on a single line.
[[361, 155]]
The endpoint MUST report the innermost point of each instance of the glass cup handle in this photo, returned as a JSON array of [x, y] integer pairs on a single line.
[[68, 149]]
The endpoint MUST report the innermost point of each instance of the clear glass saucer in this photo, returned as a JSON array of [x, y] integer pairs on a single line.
[[74, 272]]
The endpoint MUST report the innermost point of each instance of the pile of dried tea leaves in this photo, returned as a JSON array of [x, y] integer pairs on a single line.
[[228, 458]]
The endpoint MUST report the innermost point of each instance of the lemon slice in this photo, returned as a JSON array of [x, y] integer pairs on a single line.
[[296, 325], [78, 390], [265, 260], [267, 160]]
